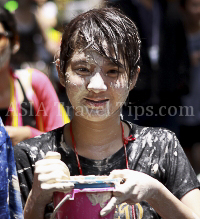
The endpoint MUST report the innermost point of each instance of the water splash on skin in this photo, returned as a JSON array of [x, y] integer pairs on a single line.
[[121, 82], [93, 57], [68, 81]]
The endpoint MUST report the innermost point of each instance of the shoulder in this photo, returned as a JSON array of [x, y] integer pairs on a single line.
[[31, 74], [154, 136], [37, 147], [36, 74], [145, 131]]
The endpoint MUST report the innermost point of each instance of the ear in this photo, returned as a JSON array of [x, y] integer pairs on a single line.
[[134, 80], [60, 75], [16, 46]]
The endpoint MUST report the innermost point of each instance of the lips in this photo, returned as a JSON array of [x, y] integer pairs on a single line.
[[96, 102]]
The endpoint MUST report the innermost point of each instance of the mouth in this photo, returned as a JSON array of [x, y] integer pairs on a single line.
[[96, 102]]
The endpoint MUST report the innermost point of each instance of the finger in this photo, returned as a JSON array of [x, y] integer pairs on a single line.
[[118, 173], [109, 207], [53, 176], [48, 162], [51, 168], [60, 187], [53, 155]]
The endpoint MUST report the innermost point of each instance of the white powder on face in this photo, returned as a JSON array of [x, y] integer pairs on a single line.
[[68, 81], [117, 84], [93, 57], [97, 82], [100, 198], [121, 82]]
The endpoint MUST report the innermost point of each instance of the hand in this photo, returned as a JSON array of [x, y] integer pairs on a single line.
[[48, 175], [136, 188], [18, 134]]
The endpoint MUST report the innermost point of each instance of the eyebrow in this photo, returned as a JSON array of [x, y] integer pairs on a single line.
[[115, 65], [80, 62], [108, 63]]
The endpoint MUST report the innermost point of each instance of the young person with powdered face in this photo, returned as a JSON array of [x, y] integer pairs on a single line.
[[99, 65]]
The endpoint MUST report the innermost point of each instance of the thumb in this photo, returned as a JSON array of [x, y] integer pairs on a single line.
[[52, 155], [110, 206]]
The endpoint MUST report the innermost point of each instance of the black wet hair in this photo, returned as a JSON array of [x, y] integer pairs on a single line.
[[9, 24], [95, 27]]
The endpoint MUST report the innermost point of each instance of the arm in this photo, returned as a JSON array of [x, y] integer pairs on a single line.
[[47, 174], [11, 206], [139, 187], [168, 206], [49, 104], [34, 132], [18, 134], [175, 195]]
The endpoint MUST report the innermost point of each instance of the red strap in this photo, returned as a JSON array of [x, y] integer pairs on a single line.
[[76, 153], [125, 142]]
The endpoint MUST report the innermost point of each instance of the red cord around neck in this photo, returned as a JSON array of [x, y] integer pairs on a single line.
[[76, 153], [125, 142]]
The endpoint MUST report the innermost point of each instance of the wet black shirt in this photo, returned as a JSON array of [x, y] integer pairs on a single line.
[[156, 152]]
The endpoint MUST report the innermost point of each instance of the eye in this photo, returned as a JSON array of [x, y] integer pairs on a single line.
[[82, 71], [113, 72]]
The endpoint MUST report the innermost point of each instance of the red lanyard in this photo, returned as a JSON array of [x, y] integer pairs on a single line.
[[125, 142]]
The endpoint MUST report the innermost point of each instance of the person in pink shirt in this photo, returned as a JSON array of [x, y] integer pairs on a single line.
[[26, 95]]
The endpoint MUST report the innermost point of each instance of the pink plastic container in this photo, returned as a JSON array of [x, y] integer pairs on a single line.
[[84, 203]]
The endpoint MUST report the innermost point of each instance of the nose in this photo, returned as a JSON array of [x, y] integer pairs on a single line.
[[97, 84]]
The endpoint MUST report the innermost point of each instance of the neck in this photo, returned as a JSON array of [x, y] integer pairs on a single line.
[[96, 133], [5, 79], [97, 140]]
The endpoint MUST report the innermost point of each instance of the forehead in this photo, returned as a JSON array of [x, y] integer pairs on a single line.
[[90, 56]]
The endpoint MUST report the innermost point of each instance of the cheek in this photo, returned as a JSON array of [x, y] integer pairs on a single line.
[[74, 81], [3, 44], [120, 87], [74, 86], [120, 92]]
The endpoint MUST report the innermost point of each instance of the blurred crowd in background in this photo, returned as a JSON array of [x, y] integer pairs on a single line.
[[167, 93]]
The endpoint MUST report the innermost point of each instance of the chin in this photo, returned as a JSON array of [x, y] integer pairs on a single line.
[[95, 115], [96, 118]]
